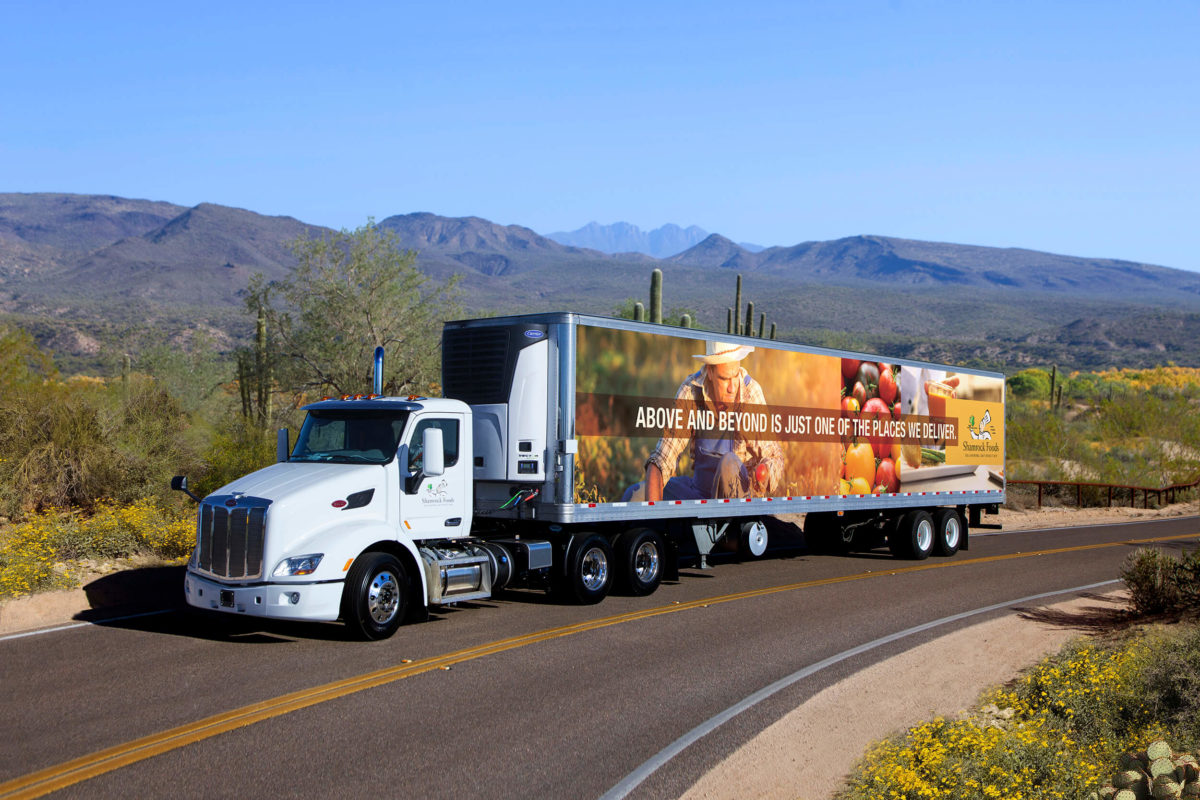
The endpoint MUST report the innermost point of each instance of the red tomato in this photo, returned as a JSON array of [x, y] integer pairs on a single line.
[[877, 409], [760, 474], [886, 477], [850, 407], [868, 376], [859, 394], [887, 384], [849, 369], [896, 410]]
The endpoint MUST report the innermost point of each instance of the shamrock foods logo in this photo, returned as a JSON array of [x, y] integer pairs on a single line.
[[434, 494], [985, 429]]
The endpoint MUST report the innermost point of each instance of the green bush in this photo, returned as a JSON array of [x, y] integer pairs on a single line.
[[73, 444], [1159, 583], [1033, 383]]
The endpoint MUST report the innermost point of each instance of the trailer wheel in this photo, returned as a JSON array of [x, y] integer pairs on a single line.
[[640, 555], [913, 536], [948, 528], [589, 570], [375, 599], [753, 540]]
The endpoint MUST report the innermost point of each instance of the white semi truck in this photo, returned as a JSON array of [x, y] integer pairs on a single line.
[[579, 453]]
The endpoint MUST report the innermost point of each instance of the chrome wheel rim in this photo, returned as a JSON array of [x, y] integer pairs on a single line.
[[593, 569], [756, 539], [924, 535], [383, 597], [645, 562], [952, 532]]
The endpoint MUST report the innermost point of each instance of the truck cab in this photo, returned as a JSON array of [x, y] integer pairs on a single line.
[[337, 529]]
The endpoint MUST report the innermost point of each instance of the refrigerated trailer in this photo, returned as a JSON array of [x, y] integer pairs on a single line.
[[580, 454]]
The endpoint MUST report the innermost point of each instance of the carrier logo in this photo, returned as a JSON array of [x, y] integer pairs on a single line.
[[535, 334], [435, 494], [984, 429]]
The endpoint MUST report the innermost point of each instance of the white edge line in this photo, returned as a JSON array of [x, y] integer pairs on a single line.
[[649, 767], [104, 621]]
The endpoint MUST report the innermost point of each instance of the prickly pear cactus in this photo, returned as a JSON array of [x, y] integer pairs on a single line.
[[1155, 773], [1159, 749]]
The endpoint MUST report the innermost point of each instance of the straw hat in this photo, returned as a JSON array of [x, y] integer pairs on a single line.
[[724, 352]]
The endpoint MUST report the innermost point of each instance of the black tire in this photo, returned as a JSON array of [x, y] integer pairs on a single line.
[[948, 530], [640, 559], [913, 536], [752, 540], [589, 571], [376, 598]]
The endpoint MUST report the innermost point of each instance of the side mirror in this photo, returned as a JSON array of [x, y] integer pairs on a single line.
[[179, 484], [281, 445], [431, 443]]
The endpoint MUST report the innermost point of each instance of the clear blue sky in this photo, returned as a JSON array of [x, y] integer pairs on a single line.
[[1071, 127]]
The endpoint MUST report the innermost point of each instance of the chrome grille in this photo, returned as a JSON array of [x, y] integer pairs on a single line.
[[230, 539]]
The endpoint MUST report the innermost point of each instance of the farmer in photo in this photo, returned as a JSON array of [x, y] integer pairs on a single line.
[[727, 463]]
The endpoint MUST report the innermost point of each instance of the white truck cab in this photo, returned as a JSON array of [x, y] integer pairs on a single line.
[[337, 529]]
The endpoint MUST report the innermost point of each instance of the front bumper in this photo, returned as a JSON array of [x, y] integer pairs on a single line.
[[319, 602]]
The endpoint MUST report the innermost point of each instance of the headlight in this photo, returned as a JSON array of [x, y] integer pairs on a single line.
[[300, 565]]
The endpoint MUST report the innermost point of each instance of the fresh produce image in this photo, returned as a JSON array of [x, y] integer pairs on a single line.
[[871, 393]]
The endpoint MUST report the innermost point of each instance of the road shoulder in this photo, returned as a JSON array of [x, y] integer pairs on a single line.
[[808, 753]]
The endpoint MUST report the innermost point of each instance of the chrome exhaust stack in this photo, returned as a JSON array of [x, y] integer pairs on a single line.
[[378, 370]]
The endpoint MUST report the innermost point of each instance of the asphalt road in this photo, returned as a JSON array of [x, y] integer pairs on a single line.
[[566, 714]]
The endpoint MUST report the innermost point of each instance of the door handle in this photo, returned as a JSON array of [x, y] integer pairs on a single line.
[[453, 522]]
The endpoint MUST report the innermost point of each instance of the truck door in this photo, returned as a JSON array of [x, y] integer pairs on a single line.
[[434, 506]]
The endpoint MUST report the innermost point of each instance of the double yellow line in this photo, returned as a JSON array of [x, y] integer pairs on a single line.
[[42, 782]]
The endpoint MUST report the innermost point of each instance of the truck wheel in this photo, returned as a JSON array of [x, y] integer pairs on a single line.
[[375, 599], [948, 529], [913, 536], [753, 540], [640, 554], [589, 570]]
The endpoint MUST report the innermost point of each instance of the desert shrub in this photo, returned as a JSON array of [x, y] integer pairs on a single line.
[[36, 554], [1033, 383], [70, 444], [1159, 583], [1149, 576], [1054, 733], [1171, 681], [236, 449]]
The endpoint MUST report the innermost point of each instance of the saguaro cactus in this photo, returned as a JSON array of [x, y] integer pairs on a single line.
[[126, 368], [749, 319], [262, 369], [737, 307], [729, 320], [685, 321], [639, 312], [656, 288]]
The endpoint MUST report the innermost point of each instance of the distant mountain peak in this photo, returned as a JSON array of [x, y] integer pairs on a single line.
[[625, 237]]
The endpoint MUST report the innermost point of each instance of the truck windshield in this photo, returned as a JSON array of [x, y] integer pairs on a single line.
[[350, 437]]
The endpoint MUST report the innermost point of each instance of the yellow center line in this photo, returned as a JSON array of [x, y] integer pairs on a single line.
[[50, 779]]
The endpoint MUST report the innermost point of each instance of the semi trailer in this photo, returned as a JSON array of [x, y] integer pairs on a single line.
[[582, 454]]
